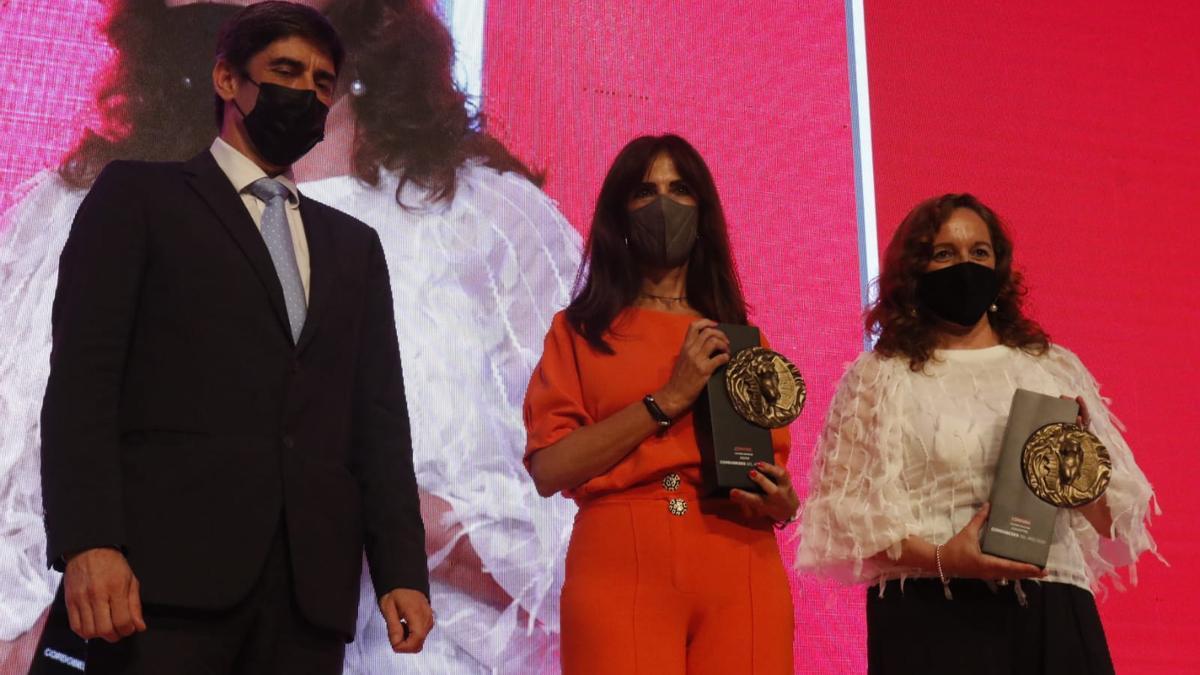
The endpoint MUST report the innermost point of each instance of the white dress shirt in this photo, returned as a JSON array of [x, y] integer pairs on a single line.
[[242, 171]]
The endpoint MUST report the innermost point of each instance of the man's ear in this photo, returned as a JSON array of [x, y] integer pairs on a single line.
[[225, 80]]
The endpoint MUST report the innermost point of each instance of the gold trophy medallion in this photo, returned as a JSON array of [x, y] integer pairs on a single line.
[[764, 388], [1065, 465]]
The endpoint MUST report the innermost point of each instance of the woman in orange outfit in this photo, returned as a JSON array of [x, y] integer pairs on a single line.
[[660, 578]]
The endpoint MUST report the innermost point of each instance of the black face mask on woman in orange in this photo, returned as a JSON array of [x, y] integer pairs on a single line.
[[663, 232]]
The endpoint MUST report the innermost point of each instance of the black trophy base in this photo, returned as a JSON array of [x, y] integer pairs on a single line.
[[1020, 526], [729, 445]]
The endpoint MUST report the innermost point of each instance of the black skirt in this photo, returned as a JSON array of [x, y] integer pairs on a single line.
[[984, 630]]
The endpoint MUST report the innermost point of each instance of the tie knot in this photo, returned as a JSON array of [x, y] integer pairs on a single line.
[[267, 189]]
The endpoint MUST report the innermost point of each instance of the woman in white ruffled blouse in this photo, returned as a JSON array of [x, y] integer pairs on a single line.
[[905, 463]]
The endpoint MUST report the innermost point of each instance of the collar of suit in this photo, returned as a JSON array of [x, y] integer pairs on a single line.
[[220, 191]]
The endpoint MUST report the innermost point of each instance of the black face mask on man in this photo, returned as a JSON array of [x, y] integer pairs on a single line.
[[663, 232], [285, 123], [960, 293]]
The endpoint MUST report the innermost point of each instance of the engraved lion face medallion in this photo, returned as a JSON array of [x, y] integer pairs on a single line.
[[765, 388], [1065, 465]]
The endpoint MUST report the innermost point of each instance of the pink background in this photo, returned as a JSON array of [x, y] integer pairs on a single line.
[[50, 57], [1077, 121]]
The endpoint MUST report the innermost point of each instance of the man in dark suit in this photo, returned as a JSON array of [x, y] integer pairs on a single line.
[[225, 428]]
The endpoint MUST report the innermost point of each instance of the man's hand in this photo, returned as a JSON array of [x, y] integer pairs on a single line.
[[102, 595], [409, 619]]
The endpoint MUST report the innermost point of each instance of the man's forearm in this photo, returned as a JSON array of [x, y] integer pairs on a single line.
[[95, 306]]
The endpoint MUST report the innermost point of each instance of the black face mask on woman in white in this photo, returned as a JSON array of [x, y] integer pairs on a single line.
[[960, 293]]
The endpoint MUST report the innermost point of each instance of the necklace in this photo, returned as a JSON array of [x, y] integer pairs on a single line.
[[664, 298]]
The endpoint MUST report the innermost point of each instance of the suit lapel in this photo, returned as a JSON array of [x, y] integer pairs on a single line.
[[322, 270], [207, 179]]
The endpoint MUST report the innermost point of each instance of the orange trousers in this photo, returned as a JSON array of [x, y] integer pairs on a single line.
[[650, 591]]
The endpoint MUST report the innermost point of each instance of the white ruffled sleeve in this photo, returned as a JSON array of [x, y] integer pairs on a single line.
[[857, 505], [476, 283], [520, 536], [1130, 497], [32, 235]]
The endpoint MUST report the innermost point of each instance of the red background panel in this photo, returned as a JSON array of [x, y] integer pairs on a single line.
[[1077, 122]]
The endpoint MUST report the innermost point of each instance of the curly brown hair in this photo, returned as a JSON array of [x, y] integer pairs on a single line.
[[154, 100], [896, 318], [411, 118]]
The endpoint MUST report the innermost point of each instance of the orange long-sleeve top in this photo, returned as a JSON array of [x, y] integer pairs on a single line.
[[574, 385]]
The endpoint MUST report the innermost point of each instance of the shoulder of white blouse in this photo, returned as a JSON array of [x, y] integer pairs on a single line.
[[41, 196], [1066, 365], [517, 215], [35, 227], [1059, 353], [516, 195], [335, 191], [870, 369]]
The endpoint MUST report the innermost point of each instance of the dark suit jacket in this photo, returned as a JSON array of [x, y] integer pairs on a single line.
[[182, 424]]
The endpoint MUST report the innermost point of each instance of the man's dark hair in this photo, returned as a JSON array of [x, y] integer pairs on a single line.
[[255, 27]]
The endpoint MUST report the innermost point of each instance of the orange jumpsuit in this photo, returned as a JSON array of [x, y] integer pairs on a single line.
[[659, 580]]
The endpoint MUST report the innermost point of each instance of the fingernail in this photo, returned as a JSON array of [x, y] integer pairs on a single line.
[[759, 464], [753, 474]]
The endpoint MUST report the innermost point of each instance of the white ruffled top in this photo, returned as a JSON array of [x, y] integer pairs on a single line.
[[32, 235], [475, 283], [908, 453]]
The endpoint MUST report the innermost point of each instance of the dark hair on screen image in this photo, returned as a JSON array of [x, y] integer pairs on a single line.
[[154, 99], [895, 317], [610, 277], [411, 118]]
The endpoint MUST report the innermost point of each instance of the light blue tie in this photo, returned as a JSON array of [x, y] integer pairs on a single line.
[[278, 237]]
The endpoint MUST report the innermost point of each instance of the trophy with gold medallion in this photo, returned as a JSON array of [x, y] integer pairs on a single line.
[[1046, 463], [756, 391], [1065, 465]]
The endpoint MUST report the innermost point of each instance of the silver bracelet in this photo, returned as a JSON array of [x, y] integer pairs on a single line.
[[937, 555]]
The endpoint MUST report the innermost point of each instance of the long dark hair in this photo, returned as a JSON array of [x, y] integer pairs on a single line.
[[154, 100], [895, 317], [411, 118], [610, 278]]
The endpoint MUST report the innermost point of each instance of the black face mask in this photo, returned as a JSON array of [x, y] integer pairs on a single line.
[[663, 232], [285, 123], [960, 293]]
